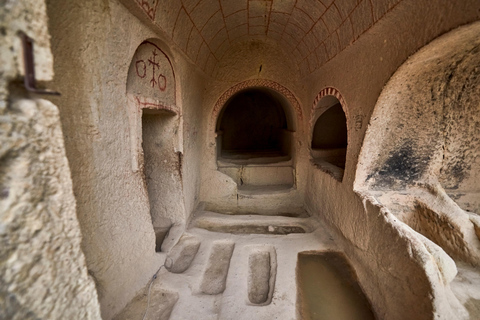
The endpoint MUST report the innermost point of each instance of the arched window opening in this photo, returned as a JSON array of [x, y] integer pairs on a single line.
[[329, 138], [253, 124]]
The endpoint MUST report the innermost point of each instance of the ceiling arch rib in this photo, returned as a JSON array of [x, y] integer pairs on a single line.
[[313, 31]]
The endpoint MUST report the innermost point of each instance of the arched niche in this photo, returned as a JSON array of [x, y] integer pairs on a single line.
[[420, 156], [154, 125], [255, 123], [329, 136], [151, 88], [266, 163]]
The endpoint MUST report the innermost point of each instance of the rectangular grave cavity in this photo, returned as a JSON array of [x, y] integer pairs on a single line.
[[215, 275], [262, 272], [327, 288]]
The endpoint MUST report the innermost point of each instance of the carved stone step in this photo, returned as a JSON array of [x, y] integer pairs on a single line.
[[253, 224]]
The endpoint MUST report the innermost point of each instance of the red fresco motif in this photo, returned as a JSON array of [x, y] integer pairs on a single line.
[[144, 104], [152, 66], [154, 73], [149, 6]]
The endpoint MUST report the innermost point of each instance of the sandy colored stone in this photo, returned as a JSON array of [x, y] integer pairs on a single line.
[[44, 275], [215, 275], [296, 49], [259, 277], [154, 305], [418, 158], [476, 225], [182, 254]]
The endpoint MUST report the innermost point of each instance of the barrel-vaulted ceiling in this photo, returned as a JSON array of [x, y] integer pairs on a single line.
[[312, 31]]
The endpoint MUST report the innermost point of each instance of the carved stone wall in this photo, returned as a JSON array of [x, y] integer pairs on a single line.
[[43, 274]]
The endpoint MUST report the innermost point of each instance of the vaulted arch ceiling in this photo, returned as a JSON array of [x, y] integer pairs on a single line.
[[311, 31]]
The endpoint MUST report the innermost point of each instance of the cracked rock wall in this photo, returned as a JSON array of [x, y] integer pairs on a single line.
[[42, 268]]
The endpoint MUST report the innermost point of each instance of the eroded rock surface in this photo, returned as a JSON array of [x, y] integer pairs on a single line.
[[160, 305], [182, 254], [215, 274]]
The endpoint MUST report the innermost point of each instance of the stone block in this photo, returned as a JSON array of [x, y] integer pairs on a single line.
[[215, 275], [182, 254]]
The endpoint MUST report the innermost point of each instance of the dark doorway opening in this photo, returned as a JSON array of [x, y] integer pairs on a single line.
[[253, 124], [329, 138], [330, 130], [161, 171]]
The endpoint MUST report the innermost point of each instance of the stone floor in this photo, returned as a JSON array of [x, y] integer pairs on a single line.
[[239, 261], [243, 266], [466, 287], [233, 267]]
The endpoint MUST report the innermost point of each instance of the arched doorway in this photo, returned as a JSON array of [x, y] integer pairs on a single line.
[[254, 138], [154, 129], [253, 124]]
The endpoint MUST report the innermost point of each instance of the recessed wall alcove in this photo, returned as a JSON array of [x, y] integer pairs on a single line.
[[253, 124], [154, 121], [420, 155], [255, 129], [161, 166], [329, 136]]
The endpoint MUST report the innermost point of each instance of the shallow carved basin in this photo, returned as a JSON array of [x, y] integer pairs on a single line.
[[328, 289]]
